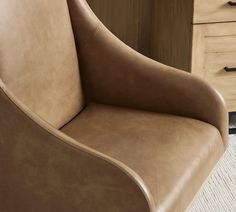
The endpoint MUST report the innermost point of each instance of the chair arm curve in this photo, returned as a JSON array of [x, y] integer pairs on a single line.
[[113, 73], [44, 170]]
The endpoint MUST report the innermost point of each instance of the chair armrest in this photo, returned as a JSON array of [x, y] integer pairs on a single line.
[[113, 73], [44, 170]]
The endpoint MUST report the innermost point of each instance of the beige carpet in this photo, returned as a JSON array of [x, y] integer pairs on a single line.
[[219, 192]]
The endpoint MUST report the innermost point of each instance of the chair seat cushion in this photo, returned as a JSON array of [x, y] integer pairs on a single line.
[[172, 154]]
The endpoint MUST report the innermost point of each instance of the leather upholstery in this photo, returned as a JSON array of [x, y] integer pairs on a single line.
[[42, 170], [150, 150], [166, 151], [137, 81], [38, 58]]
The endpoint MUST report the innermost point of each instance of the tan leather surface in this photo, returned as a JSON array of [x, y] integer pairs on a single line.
[[173, 155], [139, 161], [38, 59], [115, 74], [43, 170]]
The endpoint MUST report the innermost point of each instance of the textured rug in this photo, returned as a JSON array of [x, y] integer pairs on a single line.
[[219, 193]]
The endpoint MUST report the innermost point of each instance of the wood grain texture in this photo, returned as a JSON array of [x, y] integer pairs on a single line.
[[214, 47], [129, 20], [172, 32], [213, 11]]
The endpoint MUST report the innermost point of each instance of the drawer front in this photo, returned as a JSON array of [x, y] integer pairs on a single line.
[[206, 11], [214, 48]]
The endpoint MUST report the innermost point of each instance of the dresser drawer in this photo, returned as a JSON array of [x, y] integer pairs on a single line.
[[206, 11], [214, 48]]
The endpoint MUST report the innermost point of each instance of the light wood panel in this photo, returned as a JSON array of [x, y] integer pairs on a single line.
[[213, 43], [214, 48], [129, 20], [172, 32], [215, 62], [206, 11]]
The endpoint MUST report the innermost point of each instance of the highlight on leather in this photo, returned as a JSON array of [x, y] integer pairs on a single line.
[[88, 124]]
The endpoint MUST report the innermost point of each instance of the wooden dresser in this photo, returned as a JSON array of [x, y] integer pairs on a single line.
[[198, 36]]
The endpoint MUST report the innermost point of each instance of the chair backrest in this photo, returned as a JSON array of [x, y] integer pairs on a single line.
[[38, 59]]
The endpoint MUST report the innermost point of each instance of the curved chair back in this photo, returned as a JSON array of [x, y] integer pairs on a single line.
[[38, 59]]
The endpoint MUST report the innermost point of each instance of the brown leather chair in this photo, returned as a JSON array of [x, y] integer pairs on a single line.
[[132, 135]]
